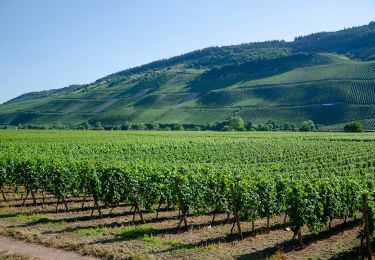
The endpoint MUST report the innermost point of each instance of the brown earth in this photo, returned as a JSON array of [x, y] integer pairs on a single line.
[[34, 251], [116, 236]]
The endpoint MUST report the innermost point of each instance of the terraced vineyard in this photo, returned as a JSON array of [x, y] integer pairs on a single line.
[[312, 180], [330, 81]]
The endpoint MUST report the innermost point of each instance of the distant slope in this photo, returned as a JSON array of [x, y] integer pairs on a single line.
[[286, 82], [45, 93], [357, 42]]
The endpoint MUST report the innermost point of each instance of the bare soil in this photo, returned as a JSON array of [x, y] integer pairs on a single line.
[[115, 235], [25, 250]]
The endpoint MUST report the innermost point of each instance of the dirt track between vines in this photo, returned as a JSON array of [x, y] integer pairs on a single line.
[[35, 251], [99, 236]]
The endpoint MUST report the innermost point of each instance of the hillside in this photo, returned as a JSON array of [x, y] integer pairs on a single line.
[[327, 77]]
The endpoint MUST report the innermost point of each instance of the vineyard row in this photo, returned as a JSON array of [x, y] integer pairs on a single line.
[[308, 200]]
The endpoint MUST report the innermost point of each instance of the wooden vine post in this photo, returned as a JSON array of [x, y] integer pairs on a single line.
[[3, 194], [136, 208], [298, 234], [366, 227]]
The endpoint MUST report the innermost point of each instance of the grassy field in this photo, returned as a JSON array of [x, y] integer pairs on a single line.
[[114, 230]]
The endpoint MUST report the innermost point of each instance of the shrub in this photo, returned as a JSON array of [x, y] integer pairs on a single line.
[[264, 128]]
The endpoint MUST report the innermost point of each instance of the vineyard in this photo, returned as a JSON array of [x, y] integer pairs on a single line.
[[328, 89], [309, 180]]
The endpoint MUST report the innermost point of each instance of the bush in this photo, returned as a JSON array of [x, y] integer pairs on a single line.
[[125, 126], [196, 128], [305, 128], [354, 127], [178, 127], [226, 128], [264, 128], [138, 126], [98, 126], [155, 126], [249, 126]]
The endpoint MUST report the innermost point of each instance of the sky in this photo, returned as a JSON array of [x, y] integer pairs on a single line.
[[46, 44]]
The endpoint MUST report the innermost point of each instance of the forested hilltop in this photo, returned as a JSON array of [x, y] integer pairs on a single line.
[[326, 77]]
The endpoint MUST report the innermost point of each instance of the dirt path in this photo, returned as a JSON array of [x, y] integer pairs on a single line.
[[37, 251]]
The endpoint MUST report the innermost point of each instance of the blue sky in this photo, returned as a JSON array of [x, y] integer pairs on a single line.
[[48, 44]]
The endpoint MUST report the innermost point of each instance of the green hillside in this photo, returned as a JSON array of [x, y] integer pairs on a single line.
[[326, 77]]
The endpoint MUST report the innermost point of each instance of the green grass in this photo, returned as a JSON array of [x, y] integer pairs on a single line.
[[37, 219], [148, 234], [145, 234], [138, 232], [21, 217], [92, 231], [152, 240]]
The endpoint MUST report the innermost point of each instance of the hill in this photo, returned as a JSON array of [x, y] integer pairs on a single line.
[[327, 77]]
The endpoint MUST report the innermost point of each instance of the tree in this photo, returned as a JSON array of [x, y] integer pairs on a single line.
[[155, 126], [196, 128], [117, 127], [293, 127], [286, 127], [87, 125], [272, 125], [98, 126], [311, 124], [236, 123], [138, 126], [125, 126], [354, 127], [178, 127], [57, 125], [307, 126], [226, 128], [264, 128], [249, 126]]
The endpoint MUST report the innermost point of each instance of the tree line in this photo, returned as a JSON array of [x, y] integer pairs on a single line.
[[231, 124]]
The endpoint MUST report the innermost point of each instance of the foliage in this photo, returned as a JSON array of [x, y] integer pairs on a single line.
[[354, 126], [254, 175], [307, 126]]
